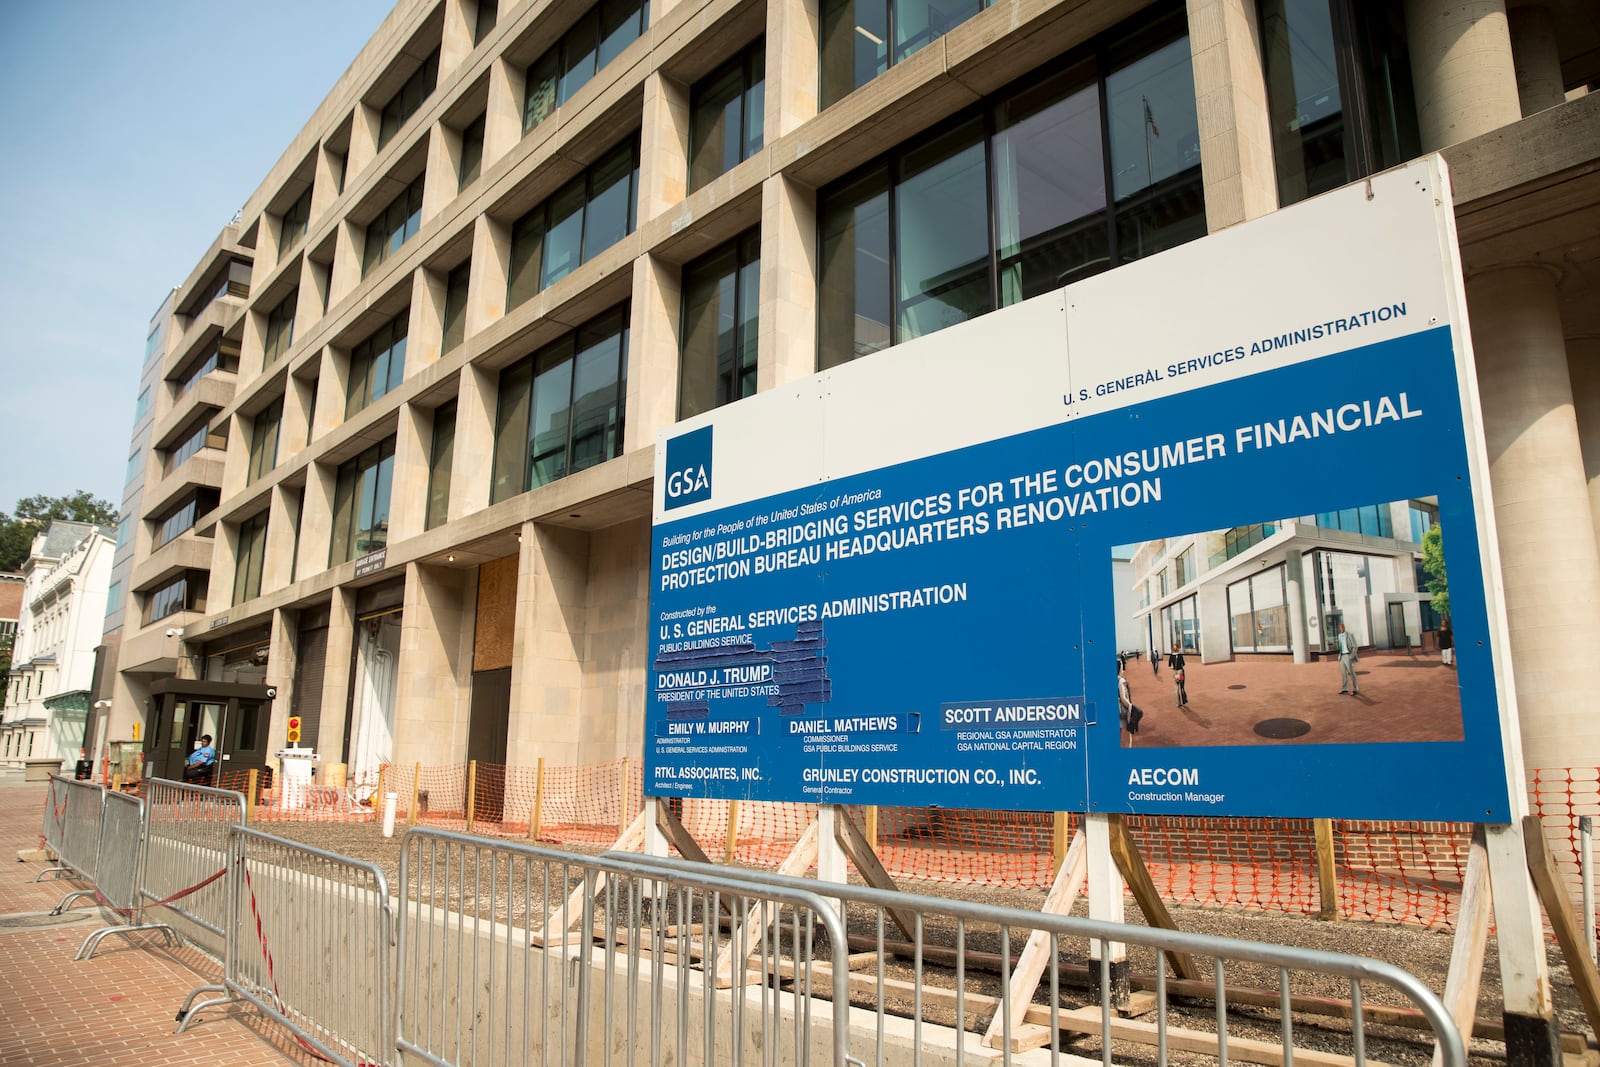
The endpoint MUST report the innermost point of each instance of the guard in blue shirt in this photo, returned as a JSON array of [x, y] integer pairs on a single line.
[[201, 762]]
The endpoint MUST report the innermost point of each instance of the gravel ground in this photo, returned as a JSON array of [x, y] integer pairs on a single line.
[[1423, 952]]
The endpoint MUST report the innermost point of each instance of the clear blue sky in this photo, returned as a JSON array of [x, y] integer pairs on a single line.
[[132, 133]]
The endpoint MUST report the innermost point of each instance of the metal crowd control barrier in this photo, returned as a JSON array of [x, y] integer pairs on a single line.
[[308, 936], [122, 838], [872, 911], [72, 828], [185, 856], [491, 971]]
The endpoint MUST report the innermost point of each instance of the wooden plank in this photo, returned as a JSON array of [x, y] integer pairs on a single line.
[[1327, 882], [631, 840], [795, 864], [1569, 932], [1036, 953], [1145, 894], [687, 846], [861, 853], [1247, 1050], [1471, 941]]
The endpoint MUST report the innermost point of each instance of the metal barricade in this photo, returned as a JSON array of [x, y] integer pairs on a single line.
[[185, 857], [308, 937], [492, 972], [122, 837], [964, 927], [76, 825]]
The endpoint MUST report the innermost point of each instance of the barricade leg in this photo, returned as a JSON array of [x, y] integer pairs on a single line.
[[186, 1013], [92, 942], [67, 901]]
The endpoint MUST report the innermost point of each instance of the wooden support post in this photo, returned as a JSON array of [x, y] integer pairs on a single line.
[[1107, 893], [1060, 823], [1552, 891], [377, 798], [1137, 875], [865, 857], [1471, 942], [1327, 883], [251, 780], [416, 794], [537, 817], [472, 791], [628, 841], [872, 828], [1070, 876], [1529, 1013], [622, 800], [795, 864], [730, 848]]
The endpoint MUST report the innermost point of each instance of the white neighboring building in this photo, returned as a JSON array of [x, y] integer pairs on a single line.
[[52, 663]]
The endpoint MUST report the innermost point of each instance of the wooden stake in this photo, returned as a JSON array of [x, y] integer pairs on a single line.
[[1073, 872], [472, 791], [416, 793], [250, 781], [536, 820], [622, 800], [1470, 943], [861, 853], [795, 864], [731, 848], [1327, 883], [872, 828], [1134, 872], [1060, 823], [629, 841], [377, 798], [1569, 933]]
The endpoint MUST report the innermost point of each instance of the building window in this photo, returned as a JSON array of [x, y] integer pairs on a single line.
[[560, 409], [1184, 570], [471, 153], [124, 529], [721, 301], [152, 340], [113, 599], [223, 355], [1241, 539], [1258, 612], [861, 38], [1339, 92], [361, 504], [404, 103], [395, 225], [134, 466], [598, 37], [726, 115], [187, 447], [184, 516], [593, 212], [280, 329], [483, 21], [1424, 516], [292, 227], [378, 364], [1371, 520], [268, 424], [251, 558], [1011, 199], [441, 457], [185, 593], [455, 306], [142, 405]]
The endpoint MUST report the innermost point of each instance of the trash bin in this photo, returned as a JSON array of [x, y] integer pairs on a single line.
[[83, 770]]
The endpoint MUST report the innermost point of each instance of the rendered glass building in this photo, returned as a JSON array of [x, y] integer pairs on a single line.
[[401, 457]]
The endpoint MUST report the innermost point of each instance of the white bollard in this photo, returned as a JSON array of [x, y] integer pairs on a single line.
[[389, 802]]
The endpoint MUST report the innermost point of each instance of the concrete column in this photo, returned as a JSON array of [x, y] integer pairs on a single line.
[[653, 351], [326, 183], [441, 180], [425, 327], [277, 566], [224, 565], [491, 267], [308, 304], [1461, 69], [1236, 162], [252, 343], [793, 66], [502, 122], [455, 41], [663, 146], [434, 686], [364, 126], [616, 632], [1294, 581], [283, 653], [336, 674], [1536, 55], [236, 460], [1549, 561], [294, 433], [408, 498], [475, 407], [1583, 367], [265, 260], [787, 327], [346, 272], [548, 648], [316, 520], [330, 389]]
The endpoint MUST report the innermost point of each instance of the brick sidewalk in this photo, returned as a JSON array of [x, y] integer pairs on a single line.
[[117, 1007]]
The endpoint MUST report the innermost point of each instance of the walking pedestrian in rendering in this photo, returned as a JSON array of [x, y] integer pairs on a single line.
[[1155, 661], [1347, 662], [1447, 644], [1176, 662], [1127, 710]]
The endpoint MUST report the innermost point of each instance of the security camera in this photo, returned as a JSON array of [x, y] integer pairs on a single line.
[[272, 692], [174, 632]]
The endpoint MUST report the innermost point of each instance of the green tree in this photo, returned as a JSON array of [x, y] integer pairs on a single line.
[[33, 513], [1433, 564]]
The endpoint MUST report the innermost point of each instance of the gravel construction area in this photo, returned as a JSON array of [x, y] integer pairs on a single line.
[[1423, 952]]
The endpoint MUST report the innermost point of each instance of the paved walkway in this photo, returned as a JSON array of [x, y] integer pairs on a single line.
[[117, 1008]]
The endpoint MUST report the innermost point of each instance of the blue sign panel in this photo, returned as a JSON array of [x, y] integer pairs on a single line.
[[1228, 598]]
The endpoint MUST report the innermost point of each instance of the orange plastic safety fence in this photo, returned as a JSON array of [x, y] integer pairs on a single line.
[[590, 805]]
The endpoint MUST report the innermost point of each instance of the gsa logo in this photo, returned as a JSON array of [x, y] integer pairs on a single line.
[[688, 469]]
